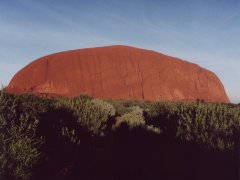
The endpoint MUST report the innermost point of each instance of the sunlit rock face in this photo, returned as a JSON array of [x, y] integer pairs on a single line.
[[118, 72]]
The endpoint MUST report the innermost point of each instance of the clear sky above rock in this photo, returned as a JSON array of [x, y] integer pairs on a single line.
[[203, 32]]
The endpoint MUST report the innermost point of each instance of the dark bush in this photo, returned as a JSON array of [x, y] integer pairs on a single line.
[[86, 138], [209, 125], [19, 151]]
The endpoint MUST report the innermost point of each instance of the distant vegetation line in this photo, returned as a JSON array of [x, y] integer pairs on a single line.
[[83, 137]]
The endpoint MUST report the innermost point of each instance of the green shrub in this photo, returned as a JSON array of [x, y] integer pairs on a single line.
[[123, 106], [19, 118], [19, 153], [92, 114], [33, 105], [8, 106], [119, 106], [209, 125], [19, 150], [133, 119]]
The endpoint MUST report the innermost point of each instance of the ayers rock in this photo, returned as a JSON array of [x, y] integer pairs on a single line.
[[118, 72]]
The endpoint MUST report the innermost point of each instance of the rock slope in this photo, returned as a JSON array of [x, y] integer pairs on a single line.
[[118, 72]]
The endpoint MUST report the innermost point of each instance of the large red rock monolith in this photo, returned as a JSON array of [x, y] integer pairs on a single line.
[[118, 72]]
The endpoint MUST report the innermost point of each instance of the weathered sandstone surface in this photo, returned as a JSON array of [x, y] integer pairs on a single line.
[[118, 72]]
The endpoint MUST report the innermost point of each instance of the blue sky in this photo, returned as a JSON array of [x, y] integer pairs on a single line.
[[206, 32]]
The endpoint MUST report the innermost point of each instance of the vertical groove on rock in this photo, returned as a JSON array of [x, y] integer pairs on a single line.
[[46, 73], [141, 78], [175, 78], [81, 67]]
